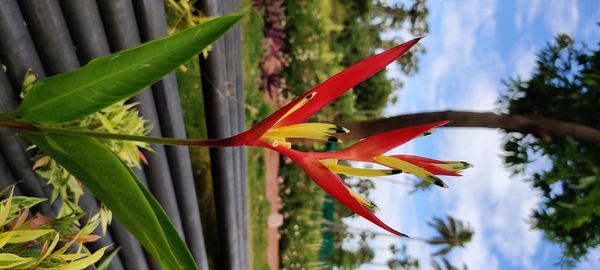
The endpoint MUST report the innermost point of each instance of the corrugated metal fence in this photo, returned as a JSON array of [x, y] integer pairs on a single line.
[[51, 36]]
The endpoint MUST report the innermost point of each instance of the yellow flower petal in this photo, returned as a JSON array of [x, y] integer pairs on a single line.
[[410, 168]]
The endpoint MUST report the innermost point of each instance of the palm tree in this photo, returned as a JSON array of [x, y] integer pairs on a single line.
[[445, 265], [451, 233]]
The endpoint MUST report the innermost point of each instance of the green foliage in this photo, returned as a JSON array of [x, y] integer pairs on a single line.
[[107, 80], [352, 259], [341, 34], [363, 23], [356, 42], [118, 118], [259, 208], [450, 234], [445, 265], [564, 86], [311, 57], [28, 242], [120, 190], [402, 260], [301, 230]]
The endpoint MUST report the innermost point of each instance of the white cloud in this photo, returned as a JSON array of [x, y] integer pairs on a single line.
[[589, 26], [523, 59], [455, 42], [562, 16], [526, 11], [592, 262], [494, 204]]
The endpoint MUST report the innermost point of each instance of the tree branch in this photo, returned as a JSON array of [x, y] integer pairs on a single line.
[[538, 126]]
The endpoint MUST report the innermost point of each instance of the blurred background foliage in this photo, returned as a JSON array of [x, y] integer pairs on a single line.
[[565, 85]]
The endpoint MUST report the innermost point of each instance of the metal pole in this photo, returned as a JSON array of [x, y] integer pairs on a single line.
[[51, 35], [153, 25], [16, 46], [14, 147], [122, 30], [223, 105]]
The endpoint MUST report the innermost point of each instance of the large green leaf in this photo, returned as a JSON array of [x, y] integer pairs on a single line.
[[115, 185], [109, 79]]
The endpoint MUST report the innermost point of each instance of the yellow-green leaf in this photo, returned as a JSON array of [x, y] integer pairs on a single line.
[[72, 257], [4, 237], [82, 263], [21, 236], [9, 260]]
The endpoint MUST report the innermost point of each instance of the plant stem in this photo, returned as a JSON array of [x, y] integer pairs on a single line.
[[8, 114], [20, 125], [117, 136]]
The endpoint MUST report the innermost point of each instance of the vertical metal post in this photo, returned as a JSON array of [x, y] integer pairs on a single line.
[[152, 23], [122, 30], [51, 35], [19, 54], [221, 84], [16, 46]]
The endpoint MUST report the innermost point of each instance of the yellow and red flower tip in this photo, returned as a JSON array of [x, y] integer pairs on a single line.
[[438, 167], [372, 149]]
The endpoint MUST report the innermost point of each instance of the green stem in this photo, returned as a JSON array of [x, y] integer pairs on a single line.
[[20, 125], [117, 136], [12, 114]]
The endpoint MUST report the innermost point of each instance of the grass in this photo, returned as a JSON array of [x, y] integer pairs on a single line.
[[256, 108], [302, 210]]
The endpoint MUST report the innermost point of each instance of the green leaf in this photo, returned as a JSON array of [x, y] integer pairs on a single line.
[[23, 202], [117, 187], [109, 79]]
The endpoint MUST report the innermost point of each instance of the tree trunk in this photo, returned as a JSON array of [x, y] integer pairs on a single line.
[[543, 128]]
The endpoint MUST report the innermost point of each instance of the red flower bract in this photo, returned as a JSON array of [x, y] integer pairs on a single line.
[[322, 167], [325, 93]]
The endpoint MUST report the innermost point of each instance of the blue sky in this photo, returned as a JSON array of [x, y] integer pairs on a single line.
[[471, 47]]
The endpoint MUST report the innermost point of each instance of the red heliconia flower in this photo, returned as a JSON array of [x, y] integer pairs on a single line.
[[322, 167]]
